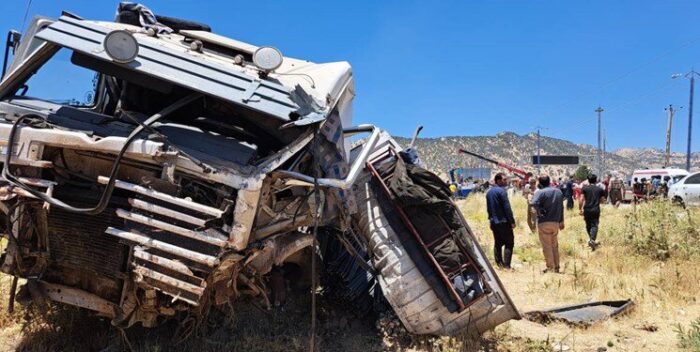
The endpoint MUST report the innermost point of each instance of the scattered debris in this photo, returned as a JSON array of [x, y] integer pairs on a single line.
[[647, 326], [581, 315]]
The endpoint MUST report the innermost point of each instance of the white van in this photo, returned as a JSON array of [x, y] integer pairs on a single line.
[[675, 174]]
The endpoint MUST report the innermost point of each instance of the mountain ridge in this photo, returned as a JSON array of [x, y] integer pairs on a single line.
[[439, 154]]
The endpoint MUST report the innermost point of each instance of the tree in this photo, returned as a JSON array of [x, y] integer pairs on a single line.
[[582, 173]]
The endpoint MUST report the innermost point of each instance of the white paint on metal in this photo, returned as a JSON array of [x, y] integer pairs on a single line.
[[185, 203], [157, 209], [163, 246], [195, 235]]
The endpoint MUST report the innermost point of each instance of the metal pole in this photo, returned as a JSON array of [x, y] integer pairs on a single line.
[[599, 110], [669, 126], [690, 119], [538, 151], [605, 138]]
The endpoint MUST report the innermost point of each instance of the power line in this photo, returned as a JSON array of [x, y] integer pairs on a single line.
[[655, 59], [26, 13], [619, 107]]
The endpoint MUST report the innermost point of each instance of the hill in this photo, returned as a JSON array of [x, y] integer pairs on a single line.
[[440, 154]]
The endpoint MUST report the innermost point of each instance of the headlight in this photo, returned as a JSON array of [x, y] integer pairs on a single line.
[[267, 58], [121, 46]]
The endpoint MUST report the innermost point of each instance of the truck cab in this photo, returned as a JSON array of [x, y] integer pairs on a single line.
[[150, 167]]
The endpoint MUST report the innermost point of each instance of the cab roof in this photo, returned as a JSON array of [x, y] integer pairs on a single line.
[[282, 93]]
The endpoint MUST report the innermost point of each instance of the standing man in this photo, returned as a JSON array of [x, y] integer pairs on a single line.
[[501, 221], [590, 209], [549, 203], [569, 193], [616, 190], [528, 192]]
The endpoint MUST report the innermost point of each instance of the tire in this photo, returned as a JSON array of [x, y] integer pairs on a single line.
[[407, 291], [678, 201]]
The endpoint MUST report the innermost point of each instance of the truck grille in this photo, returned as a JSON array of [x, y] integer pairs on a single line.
[[78, 241]]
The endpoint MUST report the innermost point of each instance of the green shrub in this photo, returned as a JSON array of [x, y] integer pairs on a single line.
[[660, 230], [689, 339]]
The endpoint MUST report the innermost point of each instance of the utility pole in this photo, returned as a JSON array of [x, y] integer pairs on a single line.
[[538, 151], [669, 126], [605, 138], [690, 75], [600, 110], [539, 147], [690, 118]]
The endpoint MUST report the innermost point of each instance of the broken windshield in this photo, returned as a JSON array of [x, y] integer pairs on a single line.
[[62, 82]]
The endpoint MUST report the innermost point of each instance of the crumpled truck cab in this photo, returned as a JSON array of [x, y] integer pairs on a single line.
[[196, 168]]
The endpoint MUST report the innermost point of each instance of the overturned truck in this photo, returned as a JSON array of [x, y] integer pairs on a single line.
[[152, 167]]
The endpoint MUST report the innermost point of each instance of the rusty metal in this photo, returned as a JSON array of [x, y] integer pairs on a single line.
[[209, 238], [165, 247], [156, 209], [80, 298], [243, 218], [140, 253], [168, 280], [185, 203]]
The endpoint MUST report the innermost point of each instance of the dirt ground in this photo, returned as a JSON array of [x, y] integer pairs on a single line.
[[665, 292]]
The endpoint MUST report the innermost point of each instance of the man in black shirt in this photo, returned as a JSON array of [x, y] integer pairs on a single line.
[[590, 208]]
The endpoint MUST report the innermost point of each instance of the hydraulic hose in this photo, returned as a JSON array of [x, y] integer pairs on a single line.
[[109, 188]]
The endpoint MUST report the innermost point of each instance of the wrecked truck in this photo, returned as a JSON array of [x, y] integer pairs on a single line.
[[187, 170]]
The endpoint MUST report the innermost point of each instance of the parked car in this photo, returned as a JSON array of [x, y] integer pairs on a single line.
[[687, 190]]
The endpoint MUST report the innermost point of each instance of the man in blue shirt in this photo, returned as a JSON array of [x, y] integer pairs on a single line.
[[548, 202], [501, 221]]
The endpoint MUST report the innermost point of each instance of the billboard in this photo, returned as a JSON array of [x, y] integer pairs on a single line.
[[555, 160]]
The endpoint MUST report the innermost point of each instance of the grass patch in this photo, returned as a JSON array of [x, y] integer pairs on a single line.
[[661, 230], [689, 339]]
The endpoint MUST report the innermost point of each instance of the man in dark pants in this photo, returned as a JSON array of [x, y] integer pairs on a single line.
[[569, 193], [501, 220], [590, 208]]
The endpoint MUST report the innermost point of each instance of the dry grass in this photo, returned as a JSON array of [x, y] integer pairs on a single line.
[[649, 254]]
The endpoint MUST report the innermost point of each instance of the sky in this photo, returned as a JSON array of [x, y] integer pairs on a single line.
[[471, 67]]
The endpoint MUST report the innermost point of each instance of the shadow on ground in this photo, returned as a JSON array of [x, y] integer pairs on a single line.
[[249, 328]]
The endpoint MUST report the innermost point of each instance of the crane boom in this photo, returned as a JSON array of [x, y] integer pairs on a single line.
[[518, 172]]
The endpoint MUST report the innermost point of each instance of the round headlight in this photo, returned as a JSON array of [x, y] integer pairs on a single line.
[[267, 58], [121, 46]]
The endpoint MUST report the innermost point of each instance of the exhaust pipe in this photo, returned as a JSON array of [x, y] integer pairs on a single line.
[[415, 136]]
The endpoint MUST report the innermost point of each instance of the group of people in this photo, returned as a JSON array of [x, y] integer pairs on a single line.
[[545, 214], [466, 186], [654, 187]]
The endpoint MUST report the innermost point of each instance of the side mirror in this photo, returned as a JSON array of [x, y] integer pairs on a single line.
[[12, 42]]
